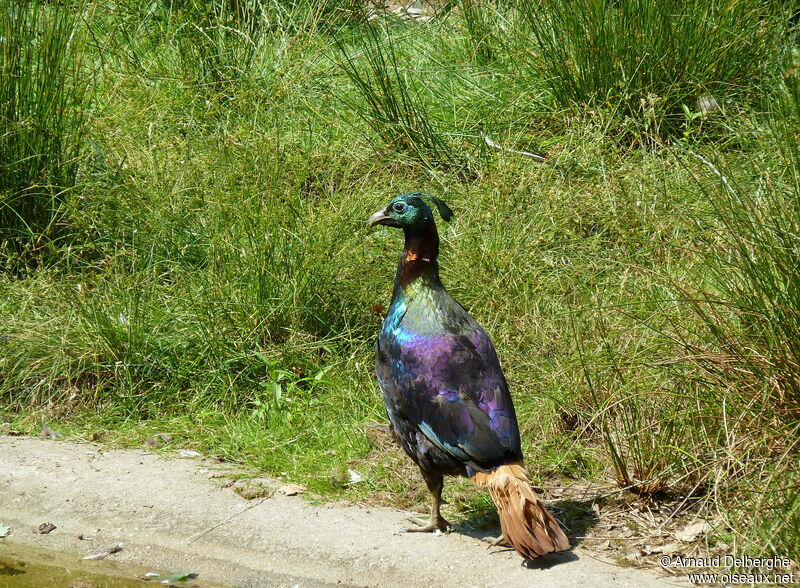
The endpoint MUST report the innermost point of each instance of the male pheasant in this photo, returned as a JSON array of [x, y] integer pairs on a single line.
[[445, 394]]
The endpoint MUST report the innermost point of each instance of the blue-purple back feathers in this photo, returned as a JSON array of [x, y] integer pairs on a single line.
[[441, 379]]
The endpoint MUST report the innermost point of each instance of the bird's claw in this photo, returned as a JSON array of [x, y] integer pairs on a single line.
[[495, 541], [421, 526]]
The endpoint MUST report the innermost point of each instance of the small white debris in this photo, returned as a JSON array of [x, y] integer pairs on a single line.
[[495, 145], [189, 453], [108, 551], [707, 105], [291, 489], [691, 531], [354, 476]]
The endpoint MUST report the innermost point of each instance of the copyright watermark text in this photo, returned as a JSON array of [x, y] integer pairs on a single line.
[[744, 569]]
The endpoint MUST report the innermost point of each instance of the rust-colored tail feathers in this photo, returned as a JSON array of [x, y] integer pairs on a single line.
[[527, 525]]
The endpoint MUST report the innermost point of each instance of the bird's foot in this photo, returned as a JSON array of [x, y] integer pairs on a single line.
[[495, 541], [421, 526]]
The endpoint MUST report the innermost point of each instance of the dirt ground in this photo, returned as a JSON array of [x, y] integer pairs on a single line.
[[182, 514]]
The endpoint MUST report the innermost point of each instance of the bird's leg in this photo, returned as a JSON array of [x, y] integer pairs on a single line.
[[435, 484]]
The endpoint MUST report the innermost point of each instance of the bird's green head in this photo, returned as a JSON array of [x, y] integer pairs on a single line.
[[410, 212]]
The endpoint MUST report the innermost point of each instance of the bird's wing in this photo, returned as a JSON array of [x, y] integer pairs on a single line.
[[452, 388]]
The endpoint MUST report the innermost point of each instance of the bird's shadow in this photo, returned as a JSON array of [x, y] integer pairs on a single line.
[[575, 516]]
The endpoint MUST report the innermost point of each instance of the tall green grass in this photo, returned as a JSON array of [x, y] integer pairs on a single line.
[[391, 104], [748, 302], [43, 118], [481, 24], [708, 407], [647, 60]]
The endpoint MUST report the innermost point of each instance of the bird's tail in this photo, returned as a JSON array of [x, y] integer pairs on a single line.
[[527, 525]]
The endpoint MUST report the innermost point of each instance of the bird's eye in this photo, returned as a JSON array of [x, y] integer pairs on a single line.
[[399, 207]]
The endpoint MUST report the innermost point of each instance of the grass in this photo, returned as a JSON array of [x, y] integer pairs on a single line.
[[646, 62], [213, 276], [44, 95], [391, 105]]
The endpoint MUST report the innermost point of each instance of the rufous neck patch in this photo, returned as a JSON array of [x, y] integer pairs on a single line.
[[410, 256]]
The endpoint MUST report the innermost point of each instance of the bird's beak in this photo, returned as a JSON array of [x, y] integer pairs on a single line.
[[378, 218]]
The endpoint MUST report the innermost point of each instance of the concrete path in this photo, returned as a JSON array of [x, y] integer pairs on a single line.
[[169, 515]]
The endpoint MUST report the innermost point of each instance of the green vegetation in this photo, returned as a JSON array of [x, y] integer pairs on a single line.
[[43, 97], [184, 187], [647, 60]]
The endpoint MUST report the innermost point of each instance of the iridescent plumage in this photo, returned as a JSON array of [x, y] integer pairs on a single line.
[[440, 376], [445, 394]]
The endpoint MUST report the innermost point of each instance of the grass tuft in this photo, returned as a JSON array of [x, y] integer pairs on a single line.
[[391, 103], [718, 420], [44, 92], [648, 60]]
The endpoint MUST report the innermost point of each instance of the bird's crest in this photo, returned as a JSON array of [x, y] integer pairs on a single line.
[[444, 211]]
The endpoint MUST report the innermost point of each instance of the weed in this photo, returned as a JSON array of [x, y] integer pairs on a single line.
[[281, 388]]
